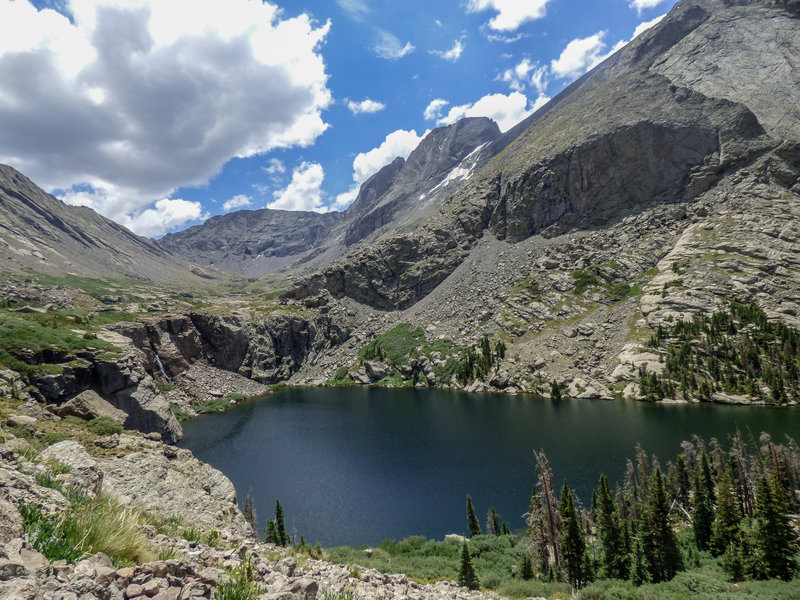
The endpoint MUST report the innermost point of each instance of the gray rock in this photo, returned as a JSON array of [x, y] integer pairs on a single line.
[[88, 405], [85, 473]]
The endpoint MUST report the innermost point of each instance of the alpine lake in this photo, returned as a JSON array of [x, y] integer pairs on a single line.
[[352, 466]]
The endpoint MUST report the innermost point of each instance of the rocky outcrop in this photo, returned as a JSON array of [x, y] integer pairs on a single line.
[[89, 405], [270, 349]]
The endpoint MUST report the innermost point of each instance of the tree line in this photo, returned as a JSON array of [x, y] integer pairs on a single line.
[[733, 503]]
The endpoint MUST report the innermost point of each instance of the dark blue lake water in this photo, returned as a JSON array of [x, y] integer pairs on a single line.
[[356, 465]]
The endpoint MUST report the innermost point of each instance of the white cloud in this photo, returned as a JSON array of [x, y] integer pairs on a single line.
[[506, 110], [641, 5], [642, 27], [390, 47], [366, 164], [397, 143], [581, 55], [357, 9], [526, 74], [238, 201], [434, 110], [136, 98], [511, 14], [304, 192], [454, 53], [365, 106], [274, 167], [167, 214]]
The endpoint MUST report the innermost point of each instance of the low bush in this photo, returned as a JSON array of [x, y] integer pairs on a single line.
[[104, 426]]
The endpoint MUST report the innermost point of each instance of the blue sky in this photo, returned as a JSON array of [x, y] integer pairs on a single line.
[[161, 113]]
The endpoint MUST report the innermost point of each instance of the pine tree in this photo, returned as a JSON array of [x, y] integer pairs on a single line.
[[639, 570], [725, 534], [555, 390], [472, 521], [271, 533], [682, 475], [506, 530], [776, 544], [249, 510], [702, 514], [552, 519], [280, 525], [573, 545], [659, 543], [526, 568], [614, 560], [466, 574], [492, 522], [538, 536]]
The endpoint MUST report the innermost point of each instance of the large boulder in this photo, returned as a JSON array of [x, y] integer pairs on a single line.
[[89, 405], [148, 411], [84, 472], [173, 483]]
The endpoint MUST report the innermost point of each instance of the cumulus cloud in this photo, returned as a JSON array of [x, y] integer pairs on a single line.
[[365, 106], [511, 14], [238, 201], [525, 74], [641, 5], [136, 98], [506, 110], [304, 192], [366, 164], [434, 110], [390, 47], [166, 214], [581, 55], [642, 27], [454, 53], [274, 166]]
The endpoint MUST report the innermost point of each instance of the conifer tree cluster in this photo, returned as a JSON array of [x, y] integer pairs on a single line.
[[735, 351], [735, 503], [275, 531]]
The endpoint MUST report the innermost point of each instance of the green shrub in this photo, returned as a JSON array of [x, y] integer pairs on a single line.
[[242, 585], [53, 437], [51, 535], [104, 426], [47, 480], [213, 405], [179, 413]]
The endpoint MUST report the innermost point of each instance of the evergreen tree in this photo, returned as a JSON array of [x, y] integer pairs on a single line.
[[492, 522], [614, 559], [551, 517], [682, 475], [466, 574], [280, 525], [555, 390], [472, 521], [506, 530], [639, 570], [776, 543], [538, 536], [573, 545], [526, 569], [271, 533], [659, 543], [702, 514], [725, 534], [249, 510]]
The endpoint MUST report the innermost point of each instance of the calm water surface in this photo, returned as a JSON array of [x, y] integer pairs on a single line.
[[356, 465]]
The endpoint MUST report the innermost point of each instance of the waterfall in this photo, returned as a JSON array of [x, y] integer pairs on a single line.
[[161, 369]]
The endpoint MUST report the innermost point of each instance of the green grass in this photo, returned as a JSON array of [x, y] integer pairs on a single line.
[[179, 413], [90, 525], [17, 334], [213, 405], [394, 346], [497, 562], [242, 585], [104, 426]]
